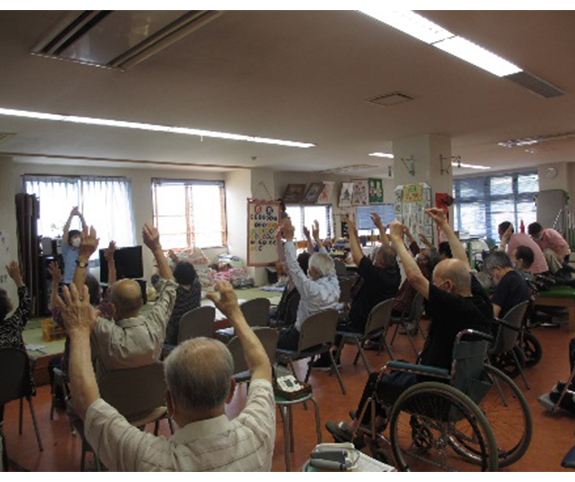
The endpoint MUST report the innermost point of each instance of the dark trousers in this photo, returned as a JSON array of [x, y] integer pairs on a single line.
[[289, 339], [572, 353], [388, 390]]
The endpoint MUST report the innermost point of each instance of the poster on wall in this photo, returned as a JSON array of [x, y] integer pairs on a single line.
[[263, 219], [293, 193], [375, 191], [312, 194], [345, 195], [325, 195], [360, 193], [411, 201]]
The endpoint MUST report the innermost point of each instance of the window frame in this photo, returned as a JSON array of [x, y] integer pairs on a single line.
[[190, 219], [329, 218]]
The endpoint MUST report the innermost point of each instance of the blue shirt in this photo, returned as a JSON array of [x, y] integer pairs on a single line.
[[70, 255]]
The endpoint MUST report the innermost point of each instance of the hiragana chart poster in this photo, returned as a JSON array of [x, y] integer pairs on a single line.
[[263, 219]]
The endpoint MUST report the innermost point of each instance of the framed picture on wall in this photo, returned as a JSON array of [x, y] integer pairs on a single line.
[[345, 195], [375, 191], [313, 193], [360, 193], [293, 193], [325, 196]]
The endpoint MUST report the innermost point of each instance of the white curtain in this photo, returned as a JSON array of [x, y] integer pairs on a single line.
[[58, 195], [105, 202]]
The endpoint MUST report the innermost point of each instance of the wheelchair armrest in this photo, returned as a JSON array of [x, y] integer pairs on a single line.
[[419, 369]]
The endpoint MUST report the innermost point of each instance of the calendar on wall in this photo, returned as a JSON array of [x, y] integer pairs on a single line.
[[411, 201]]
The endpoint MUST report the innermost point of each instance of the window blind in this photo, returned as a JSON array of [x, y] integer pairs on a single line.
[[386, 213]]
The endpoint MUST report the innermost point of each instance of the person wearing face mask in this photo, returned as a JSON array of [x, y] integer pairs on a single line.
[[456, 302], [71, 239]]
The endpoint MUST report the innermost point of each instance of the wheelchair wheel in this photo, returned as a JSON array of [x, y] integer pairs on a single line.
[[508, 413], [427, 424], [531, 349], [506, 363]]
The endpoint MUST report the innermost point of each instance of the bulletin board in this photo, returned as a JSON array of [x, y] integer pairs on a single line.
[[411, 201], [263, 219]]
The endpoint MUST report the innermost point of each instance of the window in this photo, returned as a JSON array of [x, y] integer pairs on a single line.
[[105, 202], [364, 223], [482, 203], [190, 213], [303, 215]]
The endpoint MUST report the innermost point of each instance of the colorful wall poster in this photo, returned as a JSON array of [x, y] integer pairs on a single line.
[[375, 191], [263, 219], [345, 195], [325, 196], [312, 194], [360, 193], [294, 193]]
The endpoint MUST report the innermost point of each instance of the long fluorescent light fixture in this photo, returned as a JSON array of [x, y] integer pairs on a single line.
[[423, 29], [469, 166], [381, 154], [151, 127]]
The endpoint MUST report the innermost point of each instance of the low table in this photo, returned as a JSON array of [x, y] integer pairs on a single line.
[[563, 296]]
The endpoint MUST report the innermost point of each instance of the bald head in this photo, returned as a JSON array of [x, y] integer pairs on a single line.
[[453, 276], [198, 374], [126, 296]]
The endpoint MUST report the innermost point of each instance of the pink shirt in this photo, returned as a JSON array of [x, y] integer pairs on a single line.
[[552, 240], [521, 239]]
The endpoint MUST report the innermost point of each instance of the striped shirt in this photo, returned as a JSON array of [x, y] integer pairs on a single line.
[[244, 444]]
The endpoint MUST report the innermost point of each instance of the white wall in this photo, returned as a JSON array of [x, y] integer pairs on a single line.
[[8, 220]]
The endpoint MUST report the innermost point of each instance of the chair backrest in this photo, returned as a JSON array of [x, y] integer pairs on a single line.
[[417, 308], [292, 305], [318, 329], [469, 368], [198, 322], [379, 317], [340, 268], [15, 380], [269, 339], [135, 392], [345, 286], [257, 311], [506, 337]]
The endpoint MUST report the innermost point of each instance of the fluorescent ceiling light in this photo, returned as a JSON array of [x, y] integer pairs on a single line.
[[422, 29], [410, 23], [478, 56], [151, 127], [469, 166], [381, 154]]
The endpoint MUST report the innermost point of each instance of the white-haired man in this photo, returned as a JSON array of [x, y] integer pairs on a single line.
[[319, 288], [199, 380]]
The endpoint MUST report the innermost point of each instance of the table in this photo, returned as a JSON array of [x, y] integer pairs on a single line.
[[563, 296]]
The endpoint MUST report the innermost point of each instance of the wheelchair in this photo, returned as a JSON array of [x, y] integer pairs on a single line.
[[472, 417]]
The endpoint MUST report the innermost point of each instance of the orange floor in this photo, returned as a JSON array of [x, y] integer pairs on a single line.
[[553, 434]]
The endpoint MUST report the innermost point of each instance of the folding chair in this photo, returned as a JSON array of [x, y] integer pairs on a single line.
[[196, 323], [412, 315]]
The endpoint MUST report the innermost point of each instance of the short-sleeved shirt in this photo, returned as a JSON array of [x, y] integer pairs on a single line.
[[521, 239], [551, 239], [379, 284], [451, 314], [510, 291], [244, 444], [70, 256], [11, 328]]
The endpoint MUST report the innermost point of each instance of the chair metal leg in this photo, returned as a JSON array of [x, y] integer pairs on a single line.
[[21, 417], [362, 353], [29, 398], [291, 436], [518, 365], [284, 415], [421, 330], [317, 420], [340, 348], [334, 367], [411, 341], [394, 334], [311, 360], [355, 360]]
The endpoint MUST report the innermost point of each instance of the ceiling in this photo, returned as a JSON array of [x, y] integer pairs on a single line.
[[296, 75]]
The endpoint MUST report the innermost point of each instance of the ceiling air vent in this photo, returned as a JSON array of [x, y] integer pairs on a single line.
[[392, 98], [119, 39], [529, 141], [535, 84]]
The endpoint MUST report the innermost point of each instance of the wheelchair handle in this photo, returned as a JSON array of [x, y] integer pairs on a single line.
[[480, 334]]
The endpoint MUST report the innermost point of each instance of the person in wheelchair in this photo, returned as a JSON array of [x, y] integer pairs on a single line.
[[456, 302]]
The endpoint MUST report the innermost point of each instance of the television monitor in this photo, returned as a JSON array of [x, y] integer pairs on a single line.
[[128, 263]]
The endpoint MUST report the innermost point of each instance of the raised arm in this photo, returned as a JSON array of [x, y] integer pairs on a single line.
[[254, 352], [109, 255], [382, 229], [456, 247], [82, 220], [152, 241], [315, 232], [24, 300], [505, 239], [356, 252], [307, 234], [79, 318], [87, 248], [56, 275], [412, 271], [424, 240], [73, 212]]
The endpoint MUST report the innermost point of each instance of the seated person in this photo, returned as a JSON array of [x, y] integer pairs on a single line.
[[456, 302], [70, 244], [511, 288], [511, 241], [188, 298], [553, 245], [11, 328], [380, 281], [131, 340], [318, 289], [523, 257], [444, 250], [199, 383]]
